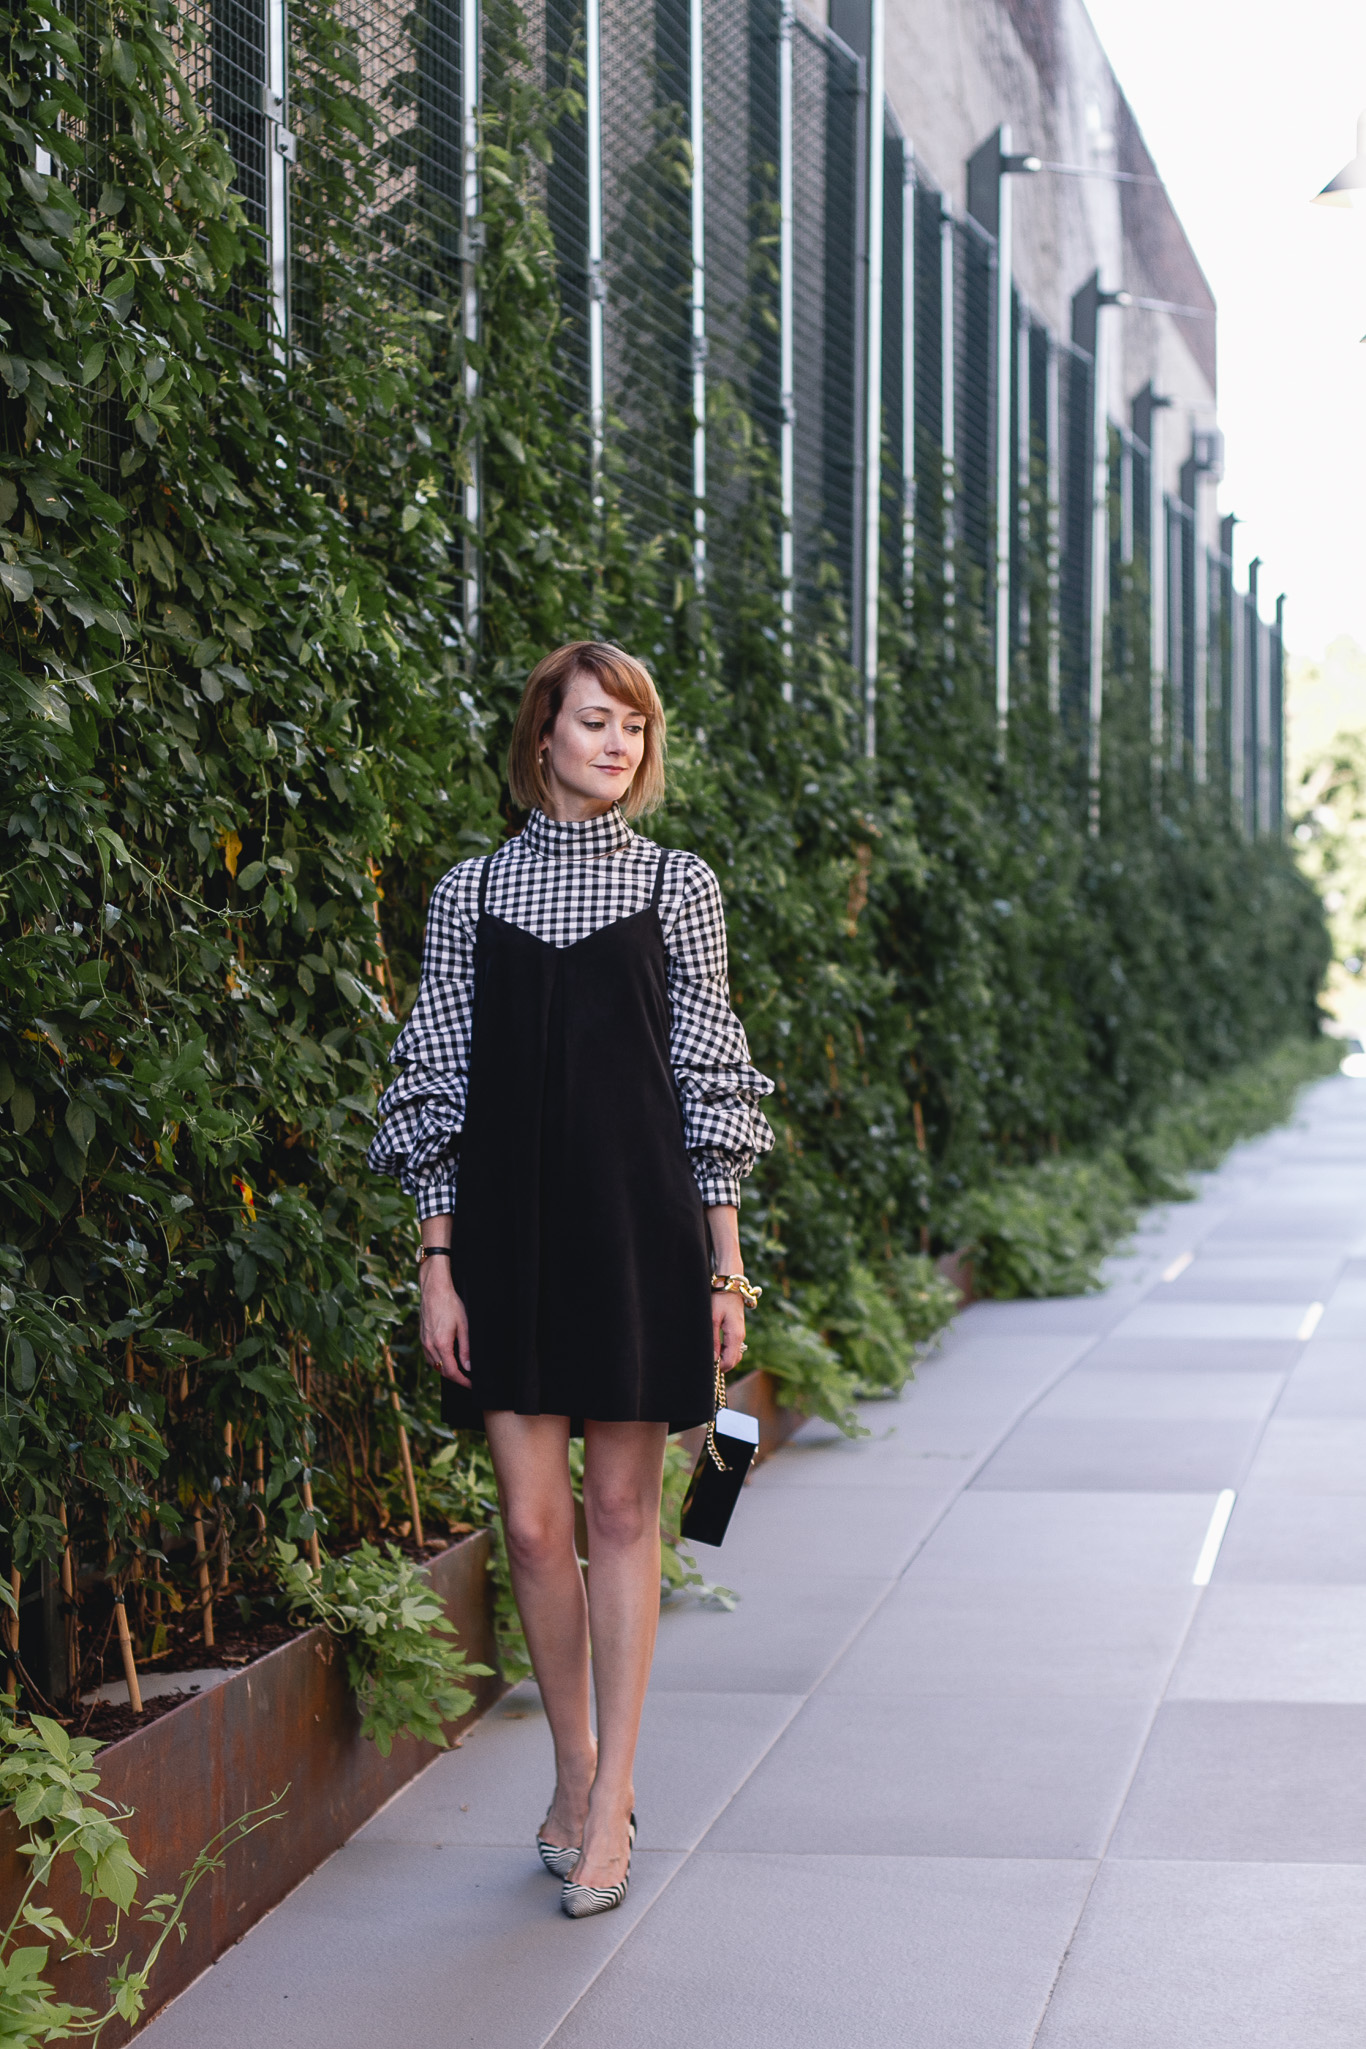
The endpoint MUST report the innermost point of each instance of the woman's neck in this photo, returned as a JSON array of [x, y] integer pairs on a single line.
[[566, 807]]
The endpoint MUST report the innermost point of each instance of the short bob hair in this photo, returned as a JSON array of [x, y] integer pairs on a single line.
[[622, 677]]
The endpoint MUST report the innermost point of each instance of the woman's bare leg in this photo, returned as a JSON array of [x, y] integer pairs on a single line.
[[531, 1460], [623, 1471]]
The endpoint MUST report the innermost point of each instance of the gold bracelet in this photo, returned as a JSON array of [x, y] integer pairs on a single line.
[[736, 1284]]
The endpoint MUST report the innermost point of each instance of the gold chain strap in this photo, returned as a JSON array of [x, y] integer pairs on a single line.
[[716, 1457]]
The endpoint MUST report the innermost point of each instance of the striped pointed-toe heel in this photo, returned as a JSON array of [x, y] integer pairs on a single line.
[[579, 1901], [558, 1860], [582, 1900]]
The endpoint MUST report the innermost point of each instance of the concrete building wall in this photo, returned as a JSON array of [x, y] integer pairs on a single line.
[[957, 70]]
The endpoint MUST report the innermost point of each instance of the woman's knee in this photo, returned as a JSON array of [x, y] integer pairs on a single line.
[[618, 1516], [538, 1536]]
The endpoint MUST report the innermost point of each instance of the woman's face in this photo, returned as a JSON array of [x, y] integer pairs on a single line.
[[592, 751]]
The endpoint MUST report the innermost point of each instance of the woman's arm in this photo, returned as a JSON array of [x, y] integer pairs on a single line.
[[727, 1311], [444, 1327], [719, 1088], [422, 1112]]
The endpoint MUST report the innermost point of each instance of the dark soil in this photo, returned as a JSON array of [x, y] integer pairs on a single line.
[[237, 1643]]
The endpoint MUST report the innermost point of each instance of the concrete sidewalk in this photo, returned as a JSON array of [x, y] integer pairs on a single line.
[[973, 1765]]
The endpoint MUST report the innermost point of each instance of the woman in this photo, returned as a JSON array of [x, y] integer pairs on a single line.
[[574, 1116]]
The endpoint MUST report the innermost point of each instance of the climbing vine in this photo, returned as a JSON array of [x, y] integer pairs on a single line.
[[242, 733]]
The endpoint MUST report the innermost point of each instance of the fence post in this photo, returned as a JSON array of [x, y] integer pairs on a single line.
[[908, 478], [1004, 382], [597, 284], [280, 153], [787, 403], [1089, 332], [1256, 736], [1278, 719], [947, 431], [697, 205], [1053, 439], [471, 241], [872, 392]]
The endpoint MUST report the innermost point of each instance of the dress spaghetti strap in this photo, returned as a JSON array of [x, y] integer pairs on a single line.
[[659, 879], [484, 881]]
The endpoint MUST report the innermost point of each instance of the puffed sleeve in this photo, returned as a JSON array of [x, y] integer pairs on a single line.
[[422, 1113], [719, 1090]]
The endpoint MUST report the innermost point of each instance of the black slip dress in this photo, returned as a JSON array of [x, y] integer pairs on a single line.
[[579, 1241]]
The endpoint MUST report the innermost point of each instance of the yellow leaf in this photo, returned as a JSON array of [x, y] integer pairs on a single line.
[[232, 848]]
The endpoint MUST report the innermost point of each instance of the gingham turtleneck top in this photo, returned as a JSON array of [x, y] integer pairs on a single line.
[[561, 881]]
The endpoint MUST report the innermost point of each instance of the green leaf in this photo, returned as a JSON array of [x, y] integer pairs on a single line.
[[16, 581], [80, 1122], [41, 250], [21, 1109], [248, 877]]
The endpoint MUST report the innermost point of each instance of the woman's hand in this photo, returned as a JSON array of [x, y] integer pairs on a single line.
[[444, 1326], [727, 1329]]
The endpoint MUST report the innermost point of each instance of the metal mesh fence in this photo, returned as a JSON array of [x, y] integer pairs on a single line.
[[1216, 670], [826, 93], [647, 263], [236, 68], [974, 394], [561, 44], [927, 294], [1074, 372], [1180, 632], [398, 201], [895, 482], [391, 201], [1274, 821], [740, 47]]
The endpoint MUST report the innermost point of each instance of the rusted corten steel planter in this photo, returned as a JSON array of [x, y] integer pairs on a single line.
[[288, 1720]]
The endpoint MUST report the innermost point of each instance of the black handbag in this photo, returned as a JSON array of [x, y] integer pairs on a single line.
[[718, 1476]]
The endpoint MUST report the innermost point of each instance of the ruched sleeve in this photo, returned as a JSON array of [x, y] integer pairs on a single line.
[[719, 1089], [422, 1113]]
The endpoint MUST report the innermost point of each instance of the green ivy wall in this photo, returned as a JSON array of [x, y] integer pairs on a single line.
[[240, 740]]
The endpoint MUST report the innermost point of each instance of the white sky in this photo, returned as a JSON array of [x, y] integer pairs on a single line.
[[1250, 107]]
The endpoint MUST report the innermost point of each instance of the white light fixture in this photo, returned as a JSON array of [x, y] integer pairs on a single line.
[[1349, 186]]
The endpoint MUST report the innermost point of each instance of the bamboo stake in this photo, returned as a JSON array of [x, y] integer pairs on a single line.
[[73, 1663], [299, 1363], [404, 1452], [257, 1510], [315, 1556], [130, 1670], [205, 1585], [12, 1676]]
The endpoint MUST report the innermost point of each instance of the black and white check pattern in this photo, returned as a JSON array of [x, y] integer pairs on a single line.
[[561, 882]]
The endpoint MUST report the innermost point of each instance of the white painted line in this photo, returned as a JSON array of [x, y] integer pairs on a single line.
[[1178, 1266], [1310, 1323], [1214, 1537]]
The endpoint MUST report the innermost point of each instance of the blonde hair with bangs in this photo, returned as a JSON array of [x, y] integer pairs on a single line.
[[623, 678]]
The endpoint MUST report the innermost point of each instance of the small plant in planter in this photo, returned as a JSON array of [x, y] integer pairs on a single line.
[[407, 1676], [46, 1777]]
